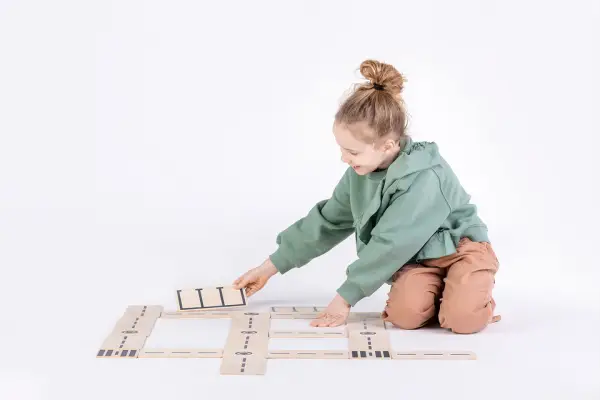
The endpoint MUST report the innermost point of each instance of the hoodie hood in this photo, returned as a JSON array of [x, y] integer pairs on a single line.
[[414, 157]]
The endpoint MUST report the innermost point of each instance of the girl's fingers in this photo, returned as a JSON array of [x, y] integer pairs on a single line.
[[252, 288], [242, 282], [321, 320]]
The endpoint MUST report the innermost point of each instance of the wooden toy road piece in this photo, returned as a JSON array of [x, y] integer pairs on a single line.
[[210, 298], [246, 349]]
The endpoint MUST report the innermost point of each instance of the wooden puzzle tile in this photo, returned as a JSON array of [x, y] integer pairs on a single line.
[[244, 363], [118, 353], [307, 334], [369, 344], [136, 326], [210, 298], [294, 315], [359, 316], [195, 314], [145, 311], [246, 340], [365, 325], [250, 321], [123, 341], [299, 309], [369, 340], [310, 354], [433, 355], [370, 354], [181, 353], [246, 349]]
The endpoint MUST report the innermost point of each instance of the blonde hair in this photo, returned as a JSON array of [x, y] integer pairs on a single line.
[[378, 103]]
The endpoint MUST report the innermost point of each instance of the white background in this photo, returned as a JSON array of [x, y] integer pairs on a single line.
[[147, 146]]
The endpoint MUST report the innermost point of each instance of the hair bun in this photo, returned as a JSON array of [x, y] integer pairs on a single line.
[[383, 75]]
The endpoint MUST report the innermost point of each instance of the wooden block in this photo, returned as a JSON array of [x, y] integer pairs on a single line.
[[370, 354], [310, 354], [307, 334], [250, 321], [246, 340], [181, 353], [116, 346], [369, 344], [118, 353], [145, 311], [210, 298], [244, 363], [246, 349], [121, 347], [368, 340], [294, 315], [134, 326], [196, 314], [365, 325], [433, 355], [124, 342], [359, 316], [300, 309], [367, 337]]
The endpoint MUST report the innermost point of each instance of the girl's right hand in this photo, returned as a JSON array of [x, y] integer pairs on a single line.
[[256, 278]]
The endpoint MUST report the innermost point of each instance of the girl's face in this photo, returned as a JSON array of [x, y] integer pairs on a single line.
[[364, 157]]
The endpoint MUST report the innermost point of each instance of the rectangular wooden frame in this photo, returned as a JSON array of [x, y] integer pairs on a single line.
[[246, 349]]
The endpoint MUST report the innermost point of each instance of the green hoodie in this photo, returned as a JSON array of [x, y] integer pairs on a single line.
[[414, 210]]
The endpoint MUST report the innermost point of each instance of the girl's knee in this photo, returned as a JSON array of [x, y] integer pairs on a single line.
[[411, 310], [466, 317]]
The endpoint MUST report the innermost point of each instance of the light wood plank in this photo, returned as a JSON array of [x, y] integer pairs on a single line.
[[357, 316], [297, 309], [211, 298], [294, 315], [366, 325], [307, 334], [368, 344], [181, 353], [195, 314], [246, 349], [124, 342], [309, 354], [250, 321], [244, 363], [138, 326], [434, 355], [153, 311]]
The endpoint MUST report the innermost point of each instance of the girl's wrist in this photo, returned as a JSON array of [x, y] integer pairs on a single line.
[[269, 267], [342, 300]]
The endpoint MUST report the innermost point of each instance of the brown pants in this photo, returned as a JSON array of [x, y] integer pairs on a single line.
[[460, 285]]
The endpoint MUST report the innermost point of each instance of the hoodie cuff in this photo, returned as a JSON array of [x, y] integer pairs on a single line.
[[282, 264], [351, 292]]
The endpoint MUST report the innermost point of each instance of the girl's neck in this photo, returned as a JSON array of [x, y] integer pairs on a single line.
[[387, 162]]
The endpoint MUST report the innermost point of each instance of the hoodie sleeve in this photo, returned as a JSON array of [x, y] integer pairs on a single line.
[[327, 224], [405, 226]]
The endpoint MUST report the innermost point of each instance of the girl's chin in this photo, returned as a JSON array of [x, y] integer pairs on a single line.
[[360, 170]]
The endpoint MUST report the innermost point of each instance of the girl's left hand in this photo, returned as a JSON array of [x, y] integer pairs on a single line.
[[335, 314]]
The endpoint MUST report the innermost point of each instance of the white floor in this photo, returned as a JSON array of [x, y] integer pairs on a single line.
[[540, 349], [75, 285]]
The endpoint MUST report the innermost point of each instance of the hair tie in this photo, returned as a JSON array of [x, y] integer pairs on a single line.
[[377, 86]]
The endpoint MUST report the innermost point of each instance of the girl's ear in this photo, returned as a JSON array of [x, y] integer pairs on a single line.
[[390, 144]]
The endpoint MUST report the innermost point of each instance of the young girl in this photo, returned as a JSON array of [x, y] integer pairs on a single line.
[[415, 228]]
